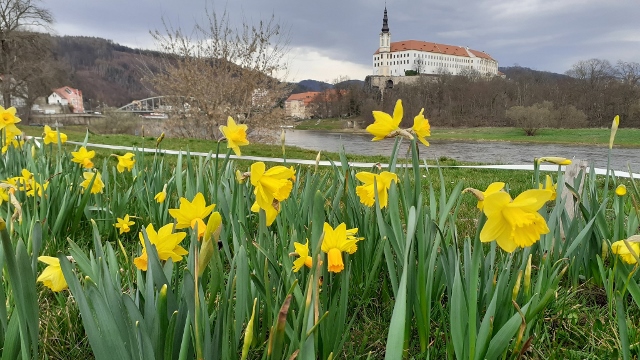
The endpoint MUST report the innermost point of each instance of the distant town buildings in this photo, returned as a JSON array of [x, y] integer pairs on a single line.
[[67, 96], [316, 104], [300, 105], [411, 57], [16, 101]]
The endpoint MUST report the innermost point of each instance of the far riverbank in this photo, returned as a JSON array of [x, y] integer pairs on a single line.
[[625, 137]]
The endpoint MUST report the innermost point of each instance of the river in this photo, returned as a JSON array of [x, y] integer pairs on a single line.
[[493, 152]]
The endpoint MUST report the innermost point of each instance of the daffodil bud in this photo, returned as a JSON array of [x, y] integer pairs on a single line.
[[605, 250], [33, 152], [621, 190], [554, 160], [282, 139], [614, 129], [516, 287], [318, 160], [248, 333], [527, 277], [159, 139]]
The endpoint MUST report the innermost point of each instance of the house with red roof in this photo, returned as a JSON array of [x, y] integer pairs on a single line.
[[422, 57], [67, 96], [300, 105]]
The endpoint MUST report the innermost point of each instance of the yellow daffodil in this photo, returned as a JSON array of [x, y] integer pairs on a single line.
[[270, 187], [52, 276], [124, 225], [83, 157], [421, 128], [8, 120], [554, 160], [303, 256], [334, 243], [166, 243], [491, 189], [27, 183], [36, 188], [4, 195], [97, 186], [351, 235], [125, 162], [235, 134], [514, 223], [162, 195], [10, 138], [549, 186], [383, 182], [614, 129], [620, 248], [51, 136], [621, 190], [191, 213], [384, 124]]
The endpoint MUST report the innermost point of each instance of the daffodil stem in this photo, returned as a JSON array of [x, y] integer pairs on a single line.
[[606, 180], [215, 174]]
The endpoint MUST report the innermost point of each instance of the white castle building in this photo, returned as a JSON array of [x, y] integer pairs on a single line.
[[394, 58]]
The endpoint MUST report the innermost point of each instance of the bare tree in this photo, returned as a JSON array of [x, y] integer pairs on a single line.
[[628, 72], [18, 18], [219, 70], [418, 66]]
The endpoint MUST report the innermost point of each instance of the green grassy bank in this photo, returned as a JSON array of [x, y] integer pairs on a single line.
[[626, 137]]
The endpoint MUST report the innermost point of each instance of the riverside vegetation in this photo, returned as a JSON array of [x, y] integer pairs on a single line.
[[209, 258]]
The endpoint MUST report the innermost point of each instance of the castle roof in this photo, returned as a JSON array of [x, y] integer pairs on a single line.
[[431, 47]]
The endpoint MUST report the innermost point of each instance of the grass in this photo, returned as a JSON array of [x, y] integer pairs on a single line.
[[626, 137]]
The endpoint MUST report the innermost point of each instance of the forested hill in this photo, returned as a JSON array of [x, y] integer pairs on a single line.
[[104, 71]]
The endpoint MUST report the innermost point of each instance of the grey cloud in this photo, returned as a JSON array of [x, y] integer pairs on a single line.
[[542, 34]]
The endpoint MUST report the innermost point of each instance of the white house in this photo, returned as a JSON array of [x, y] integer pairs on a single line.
[[67, 96], [55, 98], [395, 58]]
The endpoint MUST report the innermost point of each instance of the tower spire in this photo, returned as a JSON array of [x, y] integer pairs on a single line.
[[385, 20]]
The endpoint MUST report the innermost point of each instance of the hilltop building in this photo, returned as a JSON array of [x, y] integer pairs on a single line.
[[421, 57]]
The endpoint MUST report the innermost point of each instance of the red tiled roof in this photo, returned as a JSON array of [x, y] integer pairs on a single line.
[[480, 54], [307, 97], [61, 91], [418, 45]]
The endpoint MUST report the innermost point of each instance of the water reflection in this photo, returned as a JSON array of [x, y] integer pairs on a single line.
[[482, 152]]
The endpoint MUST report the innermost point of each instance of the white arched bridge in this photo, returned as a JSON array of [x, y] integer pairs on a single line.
[[158, 106]]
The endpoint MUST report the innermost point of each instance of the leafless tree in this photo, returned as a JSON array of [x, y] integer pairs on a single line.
[[220, 70], [18, 20]]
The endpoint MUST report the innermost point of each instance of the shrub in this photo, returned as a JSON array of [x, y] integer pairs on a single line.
[[531, 118]]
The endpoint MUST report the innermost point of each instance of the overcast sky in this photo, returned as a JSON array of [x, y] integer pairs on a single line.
[[332, 38]]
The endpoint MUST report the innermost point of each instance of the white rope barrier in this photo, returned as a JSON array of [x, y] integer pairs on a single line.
[[543, 167]]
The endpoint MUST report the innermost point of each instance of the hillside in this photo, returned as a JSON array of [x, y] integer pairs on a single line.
[[106, 72], [111, 73], [512, 72]]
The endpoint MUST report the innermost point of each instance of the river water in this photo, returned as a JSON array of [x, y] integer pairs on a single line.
[[494, 152]]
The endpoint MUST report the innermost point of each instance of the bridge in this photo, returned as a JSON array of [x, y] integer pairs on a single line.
[[155, 107]]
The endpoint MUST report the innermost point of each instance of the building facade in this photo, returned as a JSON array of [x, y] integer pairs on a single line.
[[422, 57], [67, 96], [300, 106]]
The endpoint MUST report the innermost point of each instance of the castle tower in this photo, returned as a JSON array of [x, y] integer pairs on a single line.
[[385, 46]]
